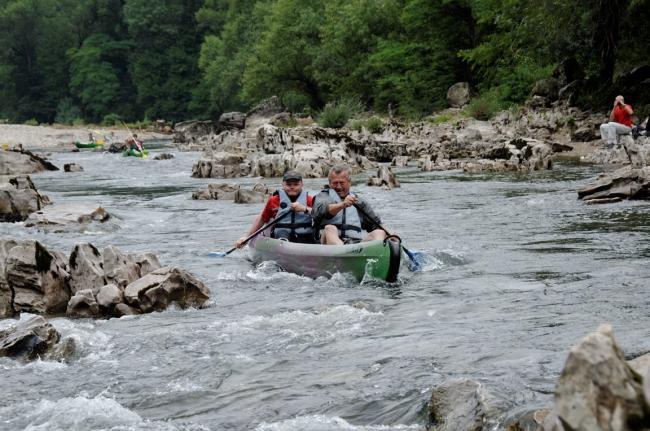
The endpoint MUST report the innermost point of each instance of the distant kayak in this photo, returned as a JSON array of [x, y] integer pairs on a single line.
[[135, 153], [89, 144], [377, 259]]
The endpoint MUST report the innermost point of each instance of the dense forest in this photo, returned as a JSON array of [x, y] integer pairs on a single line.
[[98, 61]]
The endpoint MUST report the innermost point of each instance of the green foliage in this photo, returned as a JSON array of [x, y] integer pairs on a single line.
[[67, 111], [486, 105], [31, 122], [372, 124], [111, 120], [94, 79], [283, 60], [337, 114], [77, 59]]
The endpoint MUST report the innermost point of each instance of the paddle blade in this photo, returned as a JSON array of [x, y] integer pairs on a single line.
[[416, 260]]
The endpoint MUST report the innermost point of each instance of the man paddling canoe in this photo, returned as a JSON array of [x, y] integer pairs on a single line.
[[335, 212], [296, 227]]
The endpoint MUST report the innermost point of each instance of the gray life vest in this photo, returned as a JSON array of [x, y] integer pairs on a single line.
[[294, 224], [347, 221]]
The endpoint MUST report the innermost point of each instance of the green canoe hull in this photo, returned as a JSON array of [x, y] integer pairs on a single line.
[[87, 145], [376, 259], [135, 153]]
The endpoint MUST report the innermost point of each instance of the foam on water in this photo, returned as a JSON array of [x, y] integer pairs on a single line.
[[328, 423], [78, 413]]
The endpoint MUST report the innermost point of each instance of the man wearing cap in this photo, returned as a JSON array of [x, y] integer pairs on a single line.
[[340, 217], [296, 227]]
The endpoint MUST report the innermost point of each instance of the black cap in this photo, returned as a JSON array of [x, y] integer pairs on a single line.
[[292, 175]]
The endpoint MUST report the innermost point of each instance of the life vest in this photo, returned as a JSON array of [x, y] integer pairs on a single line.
[[347, 221], [294, 224]]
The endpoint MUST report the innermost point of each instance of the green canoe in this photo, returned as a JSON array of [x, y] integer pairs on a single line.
[[378, 259], [88, 144], [135, 153]]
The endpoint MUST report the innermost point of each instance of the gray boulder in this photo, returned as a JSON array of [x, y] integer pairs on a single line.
[[231, 121], [456, 406], [6, 293], [23, 162], [28, 339], [217, 191], [72, 167], [385, 178], [597, 389], [83, 304], [192, 130], [458, 95], [19, 198], [38, 277], [109, 296], [624, 183], [243, 196], [86, 268], [119, 268], [123, 309], [158, 289], [147, 262], [65, 216]]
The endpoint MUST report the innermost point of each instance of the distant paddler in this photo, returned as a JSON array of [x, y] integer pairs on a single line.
[[133, 143]]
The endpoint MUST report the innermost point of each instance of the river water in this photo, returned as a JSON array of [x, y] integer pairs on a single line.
[[519, 271]]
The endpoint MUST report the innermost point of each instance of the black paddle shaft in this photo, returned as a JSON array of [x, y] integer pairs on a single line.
[[268, 225]]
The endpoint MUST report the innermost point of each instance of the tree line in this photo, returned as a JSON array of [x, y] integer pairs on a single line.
[[103, 60]]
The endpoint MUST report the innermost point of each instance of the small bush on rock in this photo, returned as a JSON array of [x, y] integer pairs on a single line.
[[484, 106], [337, 114]]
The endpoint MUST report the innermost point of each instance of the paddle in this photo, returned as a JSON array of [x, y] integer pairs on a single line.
[[416, 258], [268, 225], [137, 143]]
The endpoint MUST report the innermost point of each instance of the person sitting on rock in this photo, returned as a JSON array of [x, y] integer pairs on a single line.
[[296, 227], [336, 218], [133, 143], [620, 122]]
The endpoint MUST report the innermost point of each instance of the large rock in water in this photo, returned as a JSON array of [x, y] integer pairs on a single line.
[[61, 216], [456, 406], [19, 198], [624, 183], [6, 293], [86, 268], [28, 339], [38, 277], [598, 390], [166, 285], [23, 162]]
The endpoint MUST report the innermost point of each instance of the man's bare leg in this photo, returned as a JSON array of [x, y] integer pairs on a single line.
[[376, 234], [330, 236]]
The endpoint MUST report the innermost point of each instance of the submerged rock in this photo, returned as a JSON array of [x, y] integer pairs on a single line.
[[72, 167], [67, 215]]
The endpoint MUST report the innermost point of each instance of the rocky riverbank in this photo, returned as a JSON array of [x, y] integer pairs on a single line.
[[267, 141]]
